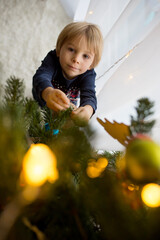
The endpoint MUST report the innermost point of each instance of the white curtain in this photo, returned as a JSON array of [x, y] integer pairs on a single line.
[[130, 67]]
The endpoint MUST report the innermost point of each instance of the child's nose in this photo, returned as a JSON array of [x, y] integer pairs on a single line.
[[76, 59]]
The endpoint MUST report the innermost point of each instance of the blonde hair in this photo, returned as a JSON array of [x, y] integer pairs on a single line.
[[76, 30]]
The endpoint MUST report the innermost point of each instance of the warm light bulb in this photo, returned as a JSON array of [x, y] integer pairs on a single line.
[[39, 165], [151, 195], [95, 169], [102, 163], [30, 194], [93, 172]]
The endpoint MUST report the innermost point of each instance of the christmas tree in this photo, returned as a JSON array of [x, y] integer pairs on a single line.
[[54, 185]]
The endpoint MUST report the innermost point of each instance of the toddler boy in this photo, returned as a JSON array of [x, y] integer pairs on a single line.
[[67, 72]]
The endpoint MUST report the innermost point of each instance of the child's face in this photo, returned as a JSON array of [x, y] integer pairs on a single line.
[[75, 58]]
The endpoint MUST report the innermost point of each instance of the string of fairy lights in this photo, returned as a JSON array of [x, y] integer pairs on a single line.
[[119, 60]]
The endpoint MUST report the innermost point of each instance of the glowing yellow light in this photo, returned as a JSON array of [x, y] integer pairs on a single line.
[[93, 172], [102, 163], [30, 193], [151, 195], [95, 169], [133, 187], [39, 165]]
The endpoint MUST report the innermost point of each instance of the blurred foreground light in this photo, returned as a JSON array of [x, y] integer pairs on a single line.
[[133, 187], [92, 171], [39, 165], [30, 194], [151, 195], [102, 163], [95, 169]]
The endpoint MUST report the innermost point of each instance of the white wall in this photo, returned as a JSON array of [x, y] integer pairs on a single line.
[[28, 30]]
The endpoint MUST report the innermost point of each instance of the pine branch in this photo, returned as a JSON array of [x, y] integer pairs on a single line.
[[14, 90], [56, 120], [141, 123]]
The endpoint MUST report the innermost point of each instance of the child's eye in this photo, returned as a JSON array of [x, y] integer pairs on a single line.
[[70, 49], [86, 56]]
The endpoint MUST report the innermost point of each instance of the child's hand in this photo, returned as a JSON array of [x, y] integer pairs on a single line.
[[82, 115], [73, 106], [55, 99]]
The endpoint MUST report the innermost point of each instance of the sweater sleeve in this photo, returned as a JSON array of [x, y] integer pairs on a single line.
[[87, 90], [43, 77]]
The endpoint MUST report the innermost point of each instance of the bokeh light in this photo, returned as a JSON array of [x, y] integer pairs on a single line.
[[39, 165], [151, 195], [95, 168]]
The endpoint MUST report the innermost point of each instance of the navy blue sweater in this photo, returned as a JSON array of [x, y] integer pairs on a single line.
[[49, 74]]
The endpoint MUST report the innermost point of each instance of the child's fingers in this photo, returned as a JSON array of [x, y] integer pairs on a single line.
[[62, 97], [73, 106], [57, 100], [57, 107], [77, 111]]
